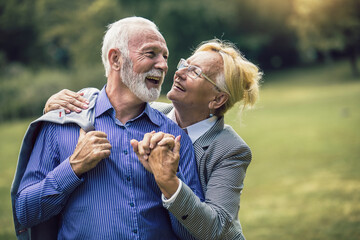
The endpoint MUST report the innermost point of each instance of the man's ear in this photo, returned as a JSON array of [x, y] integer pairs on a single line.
[[219, 100], [115, 59]]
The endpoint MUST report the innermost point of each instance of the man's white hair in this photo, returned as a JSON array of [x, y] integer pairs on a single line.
[[117, 36]]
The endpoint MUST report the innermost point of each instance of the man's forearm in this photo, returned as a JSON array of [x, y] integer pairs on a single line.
[[45, 199]]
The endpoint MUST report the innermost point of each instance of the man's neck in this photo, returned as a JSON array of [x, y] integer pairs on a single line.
[[127, 106]]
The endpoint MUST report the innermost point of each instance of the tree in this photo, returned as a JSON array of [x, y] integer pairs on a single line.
[[76, 27], [19, 34], [329, 25]]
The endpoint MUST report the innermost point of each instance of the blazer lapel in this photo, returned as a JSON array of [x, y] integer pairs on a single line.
[[201, 144]]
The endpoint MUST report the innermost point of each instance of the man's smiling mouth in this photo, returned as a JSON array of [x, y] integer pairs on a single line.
[[154, 80]]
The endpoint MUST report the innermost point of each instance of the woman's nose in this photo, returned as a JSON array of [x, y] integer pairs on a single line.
[[181, 73]]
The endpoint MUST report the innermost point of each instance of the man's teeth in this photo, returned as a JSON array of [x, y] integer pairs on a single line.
[[154, 78]]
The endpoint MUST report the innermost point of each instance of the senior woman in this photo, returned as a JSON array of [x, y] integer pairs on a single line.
[[205, 86]]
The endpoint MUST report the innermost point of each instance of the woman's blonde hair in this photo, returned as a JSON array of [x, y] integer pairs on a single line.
[[240, 77]]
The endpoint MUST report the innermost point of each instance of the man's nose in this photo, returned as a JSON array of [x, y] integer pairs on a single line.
[[162, 64]]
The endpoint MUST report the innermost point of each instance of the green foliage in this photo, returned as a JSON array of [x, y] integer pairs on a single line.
[[328, 25], [19, 33], [68, 35], [325, 25], [76, 27], [303, 182], [23, 92]]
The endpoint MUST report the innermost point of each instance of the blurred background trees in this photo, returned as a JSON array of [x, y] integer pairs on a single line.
[[328, 26], [46, 45]]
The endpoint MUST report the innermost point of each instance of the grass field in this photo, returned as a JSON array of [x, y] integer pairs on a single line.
[[304, 180]]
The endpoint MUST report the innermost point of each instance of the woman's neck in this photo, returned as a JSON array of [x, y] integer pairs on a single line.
[[186, 117]]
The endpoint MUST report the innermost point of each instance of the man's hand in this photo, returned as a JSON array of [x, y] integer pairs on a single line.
[[159, 154], [91, 148], [68, 100], [149, 142]]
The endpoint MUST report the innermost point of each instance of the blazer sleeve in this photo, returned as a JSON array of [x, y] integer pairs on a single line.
[[213, 219]]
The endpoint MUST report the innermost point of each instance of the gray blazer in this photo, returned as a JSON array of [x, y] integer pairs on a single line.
[[222, 159]]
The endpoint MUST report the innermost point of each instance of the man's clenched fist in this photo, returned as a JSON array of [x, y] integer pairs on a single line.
[[91, 148]]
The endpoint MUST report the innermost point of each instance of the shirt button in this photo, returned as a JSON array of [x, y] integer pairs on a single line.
[[125, 152], [131, 204], [128, 178], [134, 231]]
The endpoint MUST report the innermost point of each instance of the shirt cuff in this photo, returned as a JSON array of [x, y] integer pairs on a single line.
[[66, 177], [168, 202]]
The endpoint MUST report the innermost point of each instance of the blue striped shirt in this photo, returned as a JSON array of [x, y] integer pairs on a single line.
[[118, 199]]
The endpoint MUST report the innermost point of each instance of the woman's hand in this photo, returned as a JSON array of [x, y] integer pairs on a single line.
[[68, 100], [152, 139], [164, 162], [159, 154]]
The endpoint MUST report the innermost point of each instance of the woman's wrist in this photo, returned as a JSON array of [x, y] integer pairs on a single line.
[[168, 186]]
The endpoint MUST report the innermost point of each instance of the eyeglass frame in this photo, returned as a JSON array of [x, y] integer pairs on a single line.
[[183, 64]]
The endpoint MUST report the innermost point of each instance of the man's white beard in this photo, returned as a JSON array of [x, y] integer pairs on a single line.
[[136, 82]]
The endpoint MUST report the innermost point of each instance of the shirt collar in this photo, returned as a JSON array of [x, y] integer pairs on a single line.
[[197, 129], [155, 118], [103, 105]]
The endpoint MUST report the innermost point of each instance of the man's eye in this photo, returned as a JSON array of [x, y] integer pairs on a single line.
[[165, 57], [150, 54]]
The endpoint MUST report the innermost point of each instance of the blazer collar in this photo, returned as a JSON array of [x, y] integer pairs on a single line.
[[205, 140]]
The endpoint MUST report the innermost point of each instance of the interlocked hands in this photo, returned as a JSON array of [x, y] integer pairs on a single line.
[[159, 153]]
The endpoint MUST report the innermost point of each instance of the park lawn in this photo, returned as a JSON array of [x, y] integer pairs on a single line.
[[304, 179], [303, 182], [10, 141]]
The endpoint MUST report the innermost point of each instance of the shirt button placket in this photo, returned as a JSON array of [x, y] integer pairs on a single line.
[[128, 179], [135, 231]]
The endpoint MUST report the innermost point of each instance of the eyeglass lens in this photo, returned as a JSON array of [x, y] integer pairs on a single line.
[[192, 71]]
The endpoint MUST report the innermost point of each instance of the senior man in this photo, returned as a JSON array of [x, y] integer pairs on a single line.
[[93, 180]]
